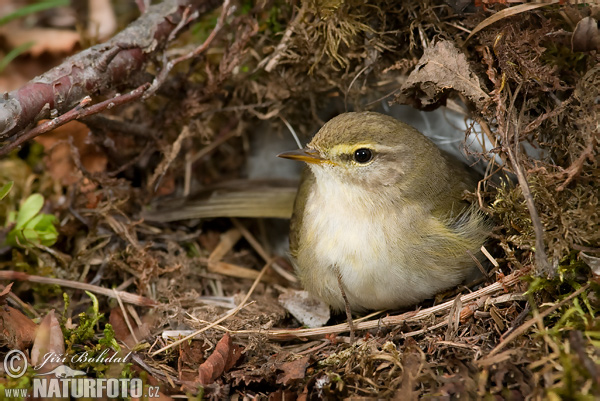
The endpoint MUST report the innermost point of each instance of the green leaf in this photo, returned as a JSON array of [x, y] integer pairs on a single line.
[[28, 235], [95, 304], [32, 227], [6, 187], [33, 222], [29, 209]]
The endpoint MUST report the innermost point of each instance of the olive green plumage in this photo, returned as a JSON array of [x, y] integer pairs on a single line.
[[381, 206]]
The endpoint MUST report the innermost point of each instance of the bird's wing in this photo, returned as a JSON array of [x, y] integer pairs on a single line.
[[306, 183], [451, 199]]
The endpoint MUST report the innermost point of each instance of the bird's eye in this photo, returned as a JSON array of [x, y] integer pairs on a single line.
[[363, 155]]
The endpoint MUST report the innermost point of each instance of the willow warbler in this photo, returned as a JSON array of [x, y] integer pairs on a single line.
[[379, 215]]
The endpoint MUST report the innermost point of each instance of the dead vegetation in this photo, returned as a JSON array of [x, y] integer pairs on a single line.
[[529, 80]]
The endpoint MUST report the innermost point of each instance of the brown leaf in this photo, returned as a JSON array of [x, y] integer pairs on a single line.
[[441, 68], [53, 41], [59, 159], [122, 332], [586, 36], [49, 341], [225, 355], [293, 370], [191, 356], [16, 329]]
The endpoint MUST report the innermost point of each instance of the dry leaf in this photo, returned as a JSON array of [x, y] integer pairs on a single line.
[[191, 356], [309, 310], [54, 41], [223, 358], [586, 36], [592, 261], [17, 331], [59, 161], [122, 332], [293, 370], [442, 67], [49, 340]]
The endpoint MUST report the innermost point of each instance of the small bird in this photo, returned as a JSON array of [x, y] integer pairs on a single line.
[[379, 220]]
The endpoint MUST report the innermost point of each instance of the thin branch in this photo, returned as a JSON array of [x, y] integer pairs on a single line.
[[97, 70], [168, 66], [125, 296], [78, 112], [575, 168], [540, 249], [285, 335], [272, 61]]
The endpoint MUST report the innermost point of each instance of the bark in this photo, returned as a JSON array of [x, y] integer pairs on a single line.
[[103, 68]]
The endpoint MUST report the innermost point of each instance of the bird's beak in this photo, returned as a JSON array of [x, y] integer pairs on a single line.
[[304, 155]]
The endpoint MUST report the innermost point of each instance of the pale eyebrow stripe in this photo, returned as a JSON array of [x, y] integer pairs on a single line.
[[349, 149]]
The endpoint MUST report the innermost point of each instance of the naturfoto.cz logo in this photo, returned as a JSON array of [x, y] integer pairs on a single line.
[[63, 381]]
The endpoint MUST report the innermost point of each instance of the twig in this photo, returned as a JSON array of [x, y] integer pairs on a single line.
[[125, 296], [167, 67], [575, 168], [20, 302], [578, 343], [540, 249], [489, 256], [96, 70], [284, 335], [170, 155], [78, 112], [542, 265], [274, 58]]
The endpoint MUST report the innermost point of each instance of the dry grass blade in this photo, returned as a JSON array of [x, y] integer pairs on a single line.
[[216, 265], [126, 317], [507, 12]]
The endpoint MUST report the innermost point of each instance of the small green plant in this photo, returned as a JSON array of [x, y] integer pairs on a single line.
[[31, 227]]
